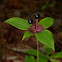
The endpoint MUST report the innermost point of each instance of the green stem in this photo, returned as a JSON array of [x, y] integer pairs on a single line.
[[37, 51]]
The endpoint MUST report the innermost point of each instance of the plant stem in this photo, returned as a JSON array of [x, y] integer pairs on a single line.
[[37, 51], [37, 42]]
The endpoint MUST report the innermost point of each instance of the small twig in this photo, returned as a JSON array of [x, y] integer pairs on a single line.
[[11, 57]]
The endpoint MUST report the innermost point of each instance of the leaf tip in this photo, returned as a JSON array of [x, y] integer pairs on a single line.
[[53, 48], [22, 39]]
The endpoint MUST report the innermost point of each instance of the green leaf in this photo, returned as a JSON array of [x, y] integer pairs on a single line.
[[44, 7], [19, 23], [32, 59], [46, 38], [46, 22], [47, 50], [43, 60], [34, 53], [47, 3], [42, 57], [52, 5], [53, 60], [27, 34], [29, 59], [57, 55]]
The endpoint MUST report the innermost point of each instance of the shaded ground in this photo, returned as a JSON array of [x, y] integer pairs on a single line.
[[11, 44]]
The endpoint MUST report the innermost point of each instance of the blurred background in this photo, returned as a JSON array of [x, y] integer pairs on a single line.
[[11, 44]]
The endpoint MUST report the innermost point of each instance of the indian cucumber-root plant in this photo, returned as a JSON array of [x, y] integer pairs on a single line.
[[42, 34], [47, 4]]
